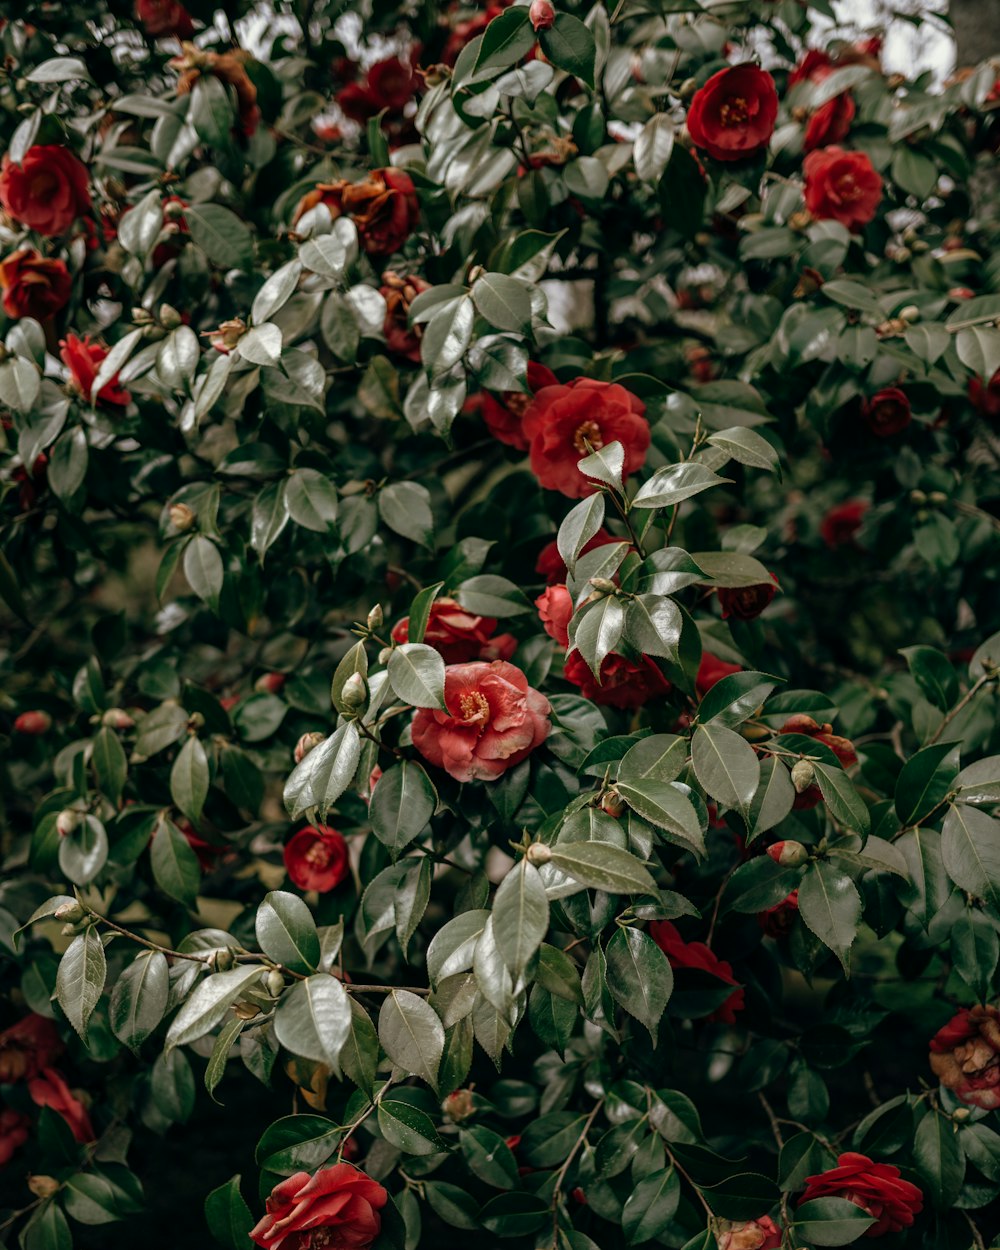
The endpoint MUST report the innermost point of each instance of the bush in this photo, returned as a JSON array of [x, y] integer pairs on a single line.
[[499, 563]]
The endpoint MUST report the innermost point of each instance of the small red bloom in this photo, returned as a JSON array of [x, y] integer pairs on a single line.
[[732, 116], [83, 359], [551, 565], [33, 285], [986, 398], [336, 1209], [844, 186], [874, 1187], [624, 683], [459, 636], [47, 191], [887, 412], [759, 1234], [747, 602], [390, 84], [965, 1056], [383, 206], [27, 1047], [504, 417], [841, 523], [555, 608], [843, 748], [401, 338], [542, 15], [316, 858], [14, 1129], [830, 123], [777, 921], [164, 17], [48, 1089], [697, 955], [33, 723], [711, 670], [813, 67]]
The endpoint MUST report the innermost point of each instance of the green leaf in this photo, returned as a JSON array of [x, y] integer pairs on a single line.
[[735, 698], [401, 805], [312, 500], [221, 1051], [675, 483], [520, 915], [660, 757], [139, 998], [416, 674], [606, 465], [47, 1230], [221, 234], [746, 446], [970, 848], [209, 1002], [840, 796], [934, 674], [203, 569], [570, 46], [325, 773], [726, 765], [286, 931], [653, 625], [730, 569], [489, 1158], [489, 595], [359, 1056], [639, 976], [269, 518], [228, 1216], [940, 1161], [110, 765], [406, 508], [452, 948], [408, 1128], [924, 780], [830, 907], [84, 852], [664, 806], [578, 527], [80, 979], [653, 146], [506, 39], [411, 1034], [761, 883], [175, 865], [313, 1020], [601, 866], [830, 1222], [774, 798], [598, 630], [505, 302], [975, 951], [447, 336]]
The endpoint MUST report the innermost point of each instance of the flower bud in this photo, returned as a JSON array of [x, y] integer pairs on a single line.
[[541, 15], [43, 1186], [910, 313], [33, 723], [687, 88], [141, 317], [355, 692], [306, 743], [458, 1106], [246, 1011], [375, 617], [803, 775], [275, 982], [937, 498], [270, 683], [170, 318], [67, 821], [961, 1113], [383, 655], [117, 718], [182, 517], [611, 802], [222, 960], [71, 913], [604, 585], [538, 853], [918, 497], [788, 854]]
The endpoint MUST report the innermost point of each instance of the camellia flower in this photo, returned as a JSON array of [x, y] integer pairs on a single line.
[[383, 206], [494, 720], [27, 1047], [830, 122], [697, 955], [47, 191], [624, 683], [160, 18], [336, 1209], [504, 416], [33, 723], [401, 338], [841, 523], [887, 412], [48, 1089], [876, 1188], [744, 603], [732, 116], [986, 397], [555, 608], [83, 359], [842, 186], [458, 636], [33, 285], [712, 670], [389, 85], [965, 1056], [316, 858], [759, 1234], [14, 1129], [565, 423], [552, 566], [777, 921]]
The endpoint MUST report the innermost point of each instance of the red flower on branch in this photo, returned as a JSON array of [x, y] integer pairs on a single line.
[[316, 858], [33, 285], [965, 1056], [47, 191], [458, 636], [732, 116], [842, 186], [624, 683], [83, 359], [876, 1188], [336, 1209]]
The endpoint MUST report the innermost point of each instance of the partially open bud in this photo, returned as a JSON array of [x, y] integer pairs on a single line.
[[611, 802], [117, 718], [270, 683], [43, 1186], [541, 15], [222, 960], [306, 743], [228, 334], [67, 822], [603, 584], [182, 517], [538, 853], [275, 982], [246, 1011], [71, 913], [355, 692], [458, 1106], [170, 318], [33, 723], [788, 854], [375, 617], [803, 775], [383, 655]]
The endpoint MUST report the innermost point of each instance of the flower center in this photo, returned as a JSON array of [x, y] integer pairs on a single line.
[[847, 188], [517, 403], [588, 433], [977, 1057], [473, 708], [734, 112], [319, 855]]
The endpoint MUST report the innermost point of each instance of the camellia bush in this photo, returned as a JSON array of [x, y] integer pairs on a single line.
[[499, 680]]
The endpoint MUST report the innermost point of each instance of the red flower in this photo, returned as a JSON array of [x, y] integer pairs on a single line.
[[83, 359], [384, 207], [874, 1187], [841, 523], [843, 748], [164, 17], [986, 398], [33, 723], [340, 1200], [228, 67], [47, 191], [965, 1056], [711, 670], [458, 635], [504, 417], [759, 1234], [563, 424], [887, 412], [207, 852], [555, 607], [732, 116], [542, 15], [494, 721], [746, 602], [697, 955], [777, 921], [624, 683], [390, 84], [813, 67], [830, 123], [33, 285], [48, 1089], [26, 1047], [464, 32], [551, 565], [841, 185], [14, 1129], [401, 338], [316, 858]]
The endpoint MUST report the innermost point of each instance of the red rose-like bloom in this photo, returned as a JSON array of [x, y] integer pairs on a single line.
[[33, 285], [813, 67], [624, 683], [401, 338], [458, 636], [47, 191], [504, 417], [33, 723], [48, 1089], [777, 921], [542, 15], [14, 1128], [563, 424], [552, 566], [841, 523], [494, 721], [316, 858], [732, 116], [555, 607], [843, 748], [747, 602], [887, 412], [965, 1056], [390, 84], [337, 1209], [26, 1047], [986, 398], [874, 1187], [164, 17], [759, 1234], [712, 670], [384, 208], [463, 32], [830, 123], [841, 185], [83, 359], [697, 955]]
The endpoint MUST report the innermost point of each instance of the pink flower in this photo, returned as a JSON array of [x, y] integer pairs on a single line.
[[555, 608], [48, 1089], [494, 721]]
